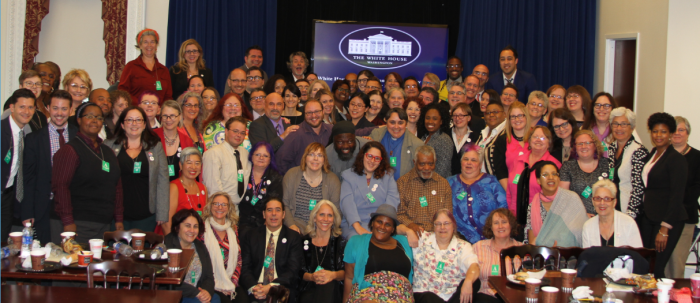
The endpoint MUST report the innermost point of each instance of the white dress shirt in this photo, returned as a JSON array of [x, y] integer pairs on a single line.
[[505, 80], [220, 172], [14, 167]]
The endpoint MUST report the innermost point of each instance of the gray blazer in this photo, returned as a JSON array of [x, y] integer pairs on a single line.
[[158, 179], [290, 183], [408, 149]]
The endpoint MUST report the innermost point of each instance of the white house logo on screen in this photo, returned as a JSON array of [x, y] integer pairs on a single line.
[[379, 47]]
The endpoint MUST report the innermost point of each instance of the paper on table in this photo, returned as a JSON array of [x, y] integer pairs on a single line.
[[582, 292], [618, 287]]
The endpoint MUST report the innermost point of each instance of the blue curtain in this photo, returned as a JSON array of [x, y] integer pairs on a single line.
[[225, 29], [555, 39]]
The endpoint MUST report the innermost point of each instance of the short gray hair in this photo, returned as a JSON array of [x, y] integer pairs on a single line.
[[540, 95], [311, 226], [187, 152], [458, 84], [630, 115], [427, 150], [607, 184], [681, 119], [403, 93]]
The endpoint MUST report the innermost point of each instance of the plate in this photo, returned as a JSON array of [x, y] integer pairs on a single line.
[[511, 279], [624, 282], [76, 266], [48, 267], [147, 256]]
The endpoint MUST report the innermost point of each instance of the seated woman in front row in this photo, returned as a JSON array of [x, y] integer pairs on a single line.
[[446, 268], [556, 215], [610, 227]]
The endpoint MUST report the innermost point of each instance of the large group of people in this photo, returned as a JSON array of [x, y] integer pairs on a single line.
[[366, 190]]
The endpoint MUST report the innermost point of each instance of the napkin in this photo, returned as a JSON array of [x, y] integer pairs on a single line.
[[66, 261], [582, 292], [617, 273], [27, 263], [679, 295]]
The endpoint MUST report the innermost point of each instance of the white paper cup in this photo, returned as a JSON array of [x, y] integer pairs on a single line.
[[96, 248]]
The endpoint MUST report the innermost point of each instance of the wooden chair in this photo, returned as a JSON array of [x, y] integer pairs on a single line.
[[531, 250], [565, 253], [127, 266], [125, 235]]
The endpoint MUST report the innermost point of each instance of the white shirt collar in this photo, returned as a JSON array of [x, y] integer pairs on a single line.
[[13, 125], [505, 80]]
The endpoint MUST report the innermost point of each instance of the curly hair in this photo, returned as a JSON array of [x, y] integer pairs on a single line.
[[218, 113], [662, 118], [444, 113], [504, 212], [182, 215], [231, 215], [384, 168]]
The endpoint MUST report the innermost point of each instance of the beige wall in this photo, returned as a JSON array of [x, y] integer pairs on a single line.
[[157, 19], [649, 18]]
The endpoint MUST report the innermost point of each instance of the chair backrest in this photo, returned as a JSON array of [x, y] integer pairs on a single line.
[[594, 260], [566, 253], [547, 253], [122, 266], [125, 235], [646, 253]]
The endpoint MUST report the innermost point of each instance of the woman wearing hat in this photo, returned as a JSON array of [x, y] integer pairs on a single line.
[[379, 266], [145, 72]]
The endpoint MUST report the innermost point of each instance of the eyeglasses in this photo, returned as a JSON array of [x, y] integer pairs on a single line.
[[494, 112], [80, 87], [133, 121], [254, 78], [546, 175], [189, 105], [623, 124], [373, 87], [681, 130], [536, 104], [454, 66], [599, 105], [91, 117], [32, 84], [458, 116], [237, 132], [342, 90], [583, 144], [313, 113], [169, 117], [481, 73], [411, 86], [508, 95], [442, 224], [209, 99], [150, 103], [192, 52], [237, 81], [606, 199], [428, 83], [217, 204], [573, 96], [518, 116], [257, 98], [357, 105], [556, 96], [259, 155], [563, 125], [195, 163], [538, 138], [373, 157], [234, 105], [456, 93], [317, 156]]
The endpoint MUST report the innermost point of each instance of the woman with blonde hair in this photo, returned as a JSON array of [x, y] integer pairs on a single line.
[[315, 86], [324, 269], [190, 63], [78, 84], [221, 239]]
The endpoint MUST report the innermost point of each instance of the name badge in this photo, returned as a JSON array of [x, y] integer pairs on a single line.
[[423, 201], [222, 254], [137, 167], [440, 267], [318, 268], [516, 179], [267, 262], [371, 198], [199, 212], [171, 170], [494, 270], [612, 172], [461, 195], [240, 177], [312, 204], [392, 161], [587, 192], [158, 86], [193, 277], [254, 201], [105, 165], [8, 157]]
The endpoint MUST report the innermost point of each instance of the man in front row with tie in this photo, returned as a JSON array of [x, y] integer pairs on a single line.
[[272, 255], [225, 167], [39, 148], [22, 106]]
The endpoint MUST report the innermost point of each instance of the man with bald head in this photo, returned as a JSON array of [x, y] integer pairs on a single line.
[[236, 82], [352, 79], [481, 72], [271, 128]]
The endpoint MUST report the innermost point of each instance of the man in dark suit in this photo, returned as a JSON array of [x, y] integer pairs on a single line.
[[22, 107], [271, 128], [272, 255], [39, 148], [298, 64], [524, 81]]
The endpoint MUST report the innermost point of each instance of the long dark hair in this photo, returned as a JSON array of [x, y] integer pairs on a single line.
[[590, 119], [444, 116], [149, 138], [564, 114]]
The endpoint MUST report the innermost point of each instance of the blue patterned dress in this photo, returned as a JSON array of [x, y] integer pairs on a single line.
[[472, 204]]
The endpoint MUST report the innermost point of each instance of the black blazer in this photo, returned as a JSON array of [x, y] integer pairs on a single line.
[[665, 188], [206, 281], [37, 173], [7, 144], [179, 81], [692, 187], [524, 81], [457, 154], [262, 130], [288, 257], [495, 156]]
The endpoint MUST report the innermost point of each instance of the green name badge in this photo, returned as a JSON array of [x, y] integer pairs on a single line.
[[371, 198], [194, 276], [105, 166], [171, 170], [318, 268], [240, 177], [201, 150], [267, 262], [587, 192], [605, 147], [440, 267], [199, 212], [462, 195], [494, 270], [254, 201], [312, 204], [612, 172], [137, 167], [158, 86], [392, 161], [8, 157], [423, 201], [516, 179]]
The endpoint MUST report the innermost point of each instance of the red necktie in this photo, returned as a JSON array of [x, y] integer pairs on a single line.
[[61, 140]]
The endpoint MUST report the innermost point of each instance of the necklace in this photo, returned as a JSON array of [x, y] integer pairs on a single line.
[[312, 182], [93, 152], [169, 141], [199, 204], [324, 254], [520, 139]]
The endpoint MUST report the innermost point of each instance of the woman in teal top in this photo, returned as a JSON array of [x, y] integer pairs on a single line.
[[378, 266]]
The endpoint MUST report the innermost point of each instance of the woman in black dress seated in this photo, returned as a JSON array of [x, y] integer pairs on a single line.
[[265, 181]]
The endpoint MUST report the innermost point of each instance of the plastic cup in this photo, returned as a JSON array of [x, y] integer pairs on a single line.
[[96, 248], [16, 238], [532, 289], [695, 285], [84, 258], [549, 294], [567, 279], [38, 259], [137, 241], [67, 235], [174, 258]]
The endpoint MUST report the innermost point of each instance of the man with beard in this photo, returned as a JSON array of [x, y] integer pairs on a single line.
[[271, 128], [311, 130], [352, 81], [343, 151], [39, 148], [454, 75]]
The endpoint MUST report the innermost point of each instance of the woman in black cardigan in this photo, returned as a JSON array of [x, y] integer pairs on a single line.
[[664, 175], [190, 63], [198, 285]]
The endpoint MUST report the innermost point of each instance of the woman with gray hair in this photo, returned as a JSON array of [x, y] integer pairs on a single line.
[[610, 227], [627, 156], [324, 270], [537, 104], [185, 191], [145, 72], [474, 195], [191, 103]]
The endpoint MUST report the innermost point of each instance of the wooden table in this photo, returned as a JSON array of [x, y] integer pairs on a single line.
[[80, 274], [50, 294], [512, 293]]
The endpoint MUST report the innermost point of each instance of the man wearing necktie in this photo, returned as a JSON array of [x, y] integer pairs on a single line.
[[272, 128], [22, 107], [225, 167], [524, 81]]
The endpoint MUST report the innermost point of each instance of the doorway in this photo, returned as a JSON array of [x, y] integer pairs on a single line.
[[621, 69]]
